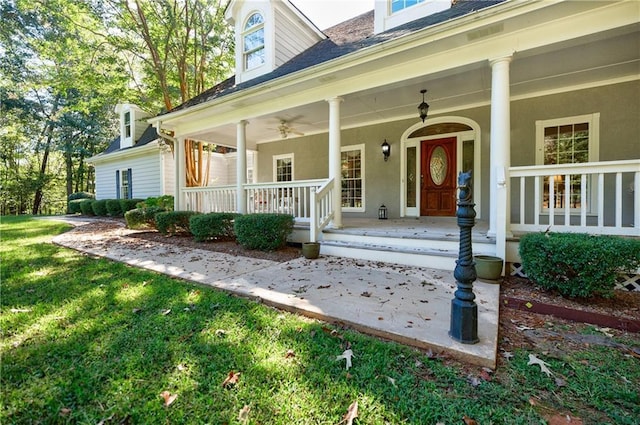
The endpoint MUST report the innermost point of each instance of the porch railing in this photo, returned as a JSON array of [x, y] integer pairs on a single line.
[[594, 197], [321, 209], [274, 197]]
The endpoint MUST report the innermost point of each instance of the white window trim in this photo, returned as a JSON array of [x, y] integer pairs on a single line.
[[593, 120], [361, 148], [275, 165], [245, 32]]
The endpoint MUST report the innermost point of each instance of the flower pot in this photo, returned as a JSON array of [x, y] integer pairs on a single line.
[[488, 267], [311, 250]]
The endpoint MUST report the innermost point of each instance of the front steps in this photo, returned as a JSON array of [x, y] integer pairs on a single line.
[[440, 252]]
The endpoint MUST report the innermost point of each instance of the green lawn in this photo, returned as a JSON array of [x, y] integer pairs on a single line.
[[87, 340]]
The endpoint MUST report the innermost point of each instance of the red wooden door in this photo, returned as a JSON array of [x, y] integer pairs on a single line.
[[438, 177]]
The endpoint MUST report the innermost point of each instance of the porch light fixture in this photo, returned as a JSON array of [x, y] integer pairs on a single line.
[[386, 149], [423, 108], [382, 212]]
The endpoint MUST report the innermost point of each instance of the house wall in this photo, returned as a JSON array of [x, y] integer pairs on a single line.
[[146, 176], [168, 165], [619, 129]]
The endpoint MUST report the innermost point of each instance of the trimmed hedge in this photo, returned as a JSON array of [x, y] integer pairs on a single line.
[[74, 206], [99, 207], [142, 218], [80, 195], [113, 208], [129, 204], [578, 265], [265, 232], [85, 206], [164, 201], [218, 226], [172, 222]]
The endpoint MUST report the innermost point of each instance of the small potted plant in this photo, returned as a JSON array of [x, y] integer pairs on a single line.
[[488, 267], [311, 250]]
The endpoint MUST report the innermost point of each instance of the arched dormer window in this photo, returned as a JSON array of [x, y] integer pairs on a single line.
[[253, 42]]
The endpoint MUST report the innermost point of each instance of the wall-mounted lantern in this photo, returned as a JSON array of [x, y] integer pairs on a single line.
[[386, 149], [423, 108]]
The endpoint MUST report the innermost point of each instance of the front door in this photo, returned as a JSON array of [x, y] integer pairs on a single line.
[[438, 177]]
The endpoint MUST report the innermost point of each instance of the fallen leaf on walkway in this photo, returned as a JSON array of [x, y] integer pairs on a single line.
[[243, 415], [352, 413], [168, 398], [347, 354], [366, 294], [543, 365], [231, 380], [324, 286]]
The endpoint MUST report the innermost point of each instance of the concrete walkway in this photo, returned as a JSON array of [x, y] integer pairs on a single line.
[[406, 304]]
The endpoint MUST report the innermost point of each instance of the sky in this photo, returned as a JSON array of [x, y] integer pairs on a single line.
[[326, 13]]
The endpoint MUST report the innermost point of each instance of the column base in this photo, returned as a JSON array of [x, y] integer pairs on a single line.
[[464, 321]]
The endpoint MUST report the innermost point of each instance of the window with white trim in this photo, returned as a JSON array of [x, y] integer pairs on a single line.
[[253, 42], [125, 184], [570, 140], [283, 168], [352, 166], [398, 5], [127, 124]]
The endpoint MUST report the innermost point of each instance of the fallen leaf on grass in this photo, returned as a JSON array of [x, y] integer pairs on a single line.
[[20, 310], [468, 421], [560, 419], [243, 415], [290, 353], [393, 381], [136, 310], [543, 365], [221, 332], [231, 380], [352, 413], [168, 398], [165, 312], [347, 354], [65, 411]]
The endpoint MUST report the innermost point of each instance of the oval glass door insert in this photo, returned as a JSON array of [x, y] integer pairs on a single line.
[[438, 165]]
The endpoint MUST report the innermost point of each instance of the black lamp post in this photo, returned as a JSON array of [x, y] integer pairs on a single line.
[[464, 311], [423, 108]]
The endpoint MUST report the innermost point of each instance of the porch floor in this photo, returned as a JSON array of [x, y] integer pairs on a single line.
[[432, 228], [407, 304]]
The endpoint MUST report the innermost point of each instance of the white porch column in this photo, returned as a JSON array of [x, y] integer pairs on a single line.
[[335, 158], [180, 174], [241, 169], [500, 153]]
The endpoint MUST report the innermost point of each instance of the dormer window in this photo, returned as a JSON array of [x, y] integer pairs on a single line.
[[253, 39], [398, 5], [127, 124]]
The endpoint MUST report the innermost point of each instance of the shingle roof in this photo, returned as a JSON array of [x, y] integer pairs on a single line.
[[345, 38], [150, 134]]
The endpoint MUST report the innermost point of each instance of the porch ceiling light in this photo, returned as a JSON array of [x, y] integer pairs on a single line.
[[386, 149], [423, 108]]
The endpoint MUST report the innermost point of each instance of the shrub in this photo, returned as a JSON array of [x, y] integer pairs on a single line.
[[85, 206], [142, 218], [99, 207], [266, 232], [73, 201], [217, 226], [172, 222], [128, 204], [164, 201], [113, 208], [577, 265], [74, 206]]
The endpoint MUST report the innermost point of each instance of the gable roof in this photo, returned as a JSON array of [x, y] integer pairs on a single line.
[[348, 37], [150, 134]]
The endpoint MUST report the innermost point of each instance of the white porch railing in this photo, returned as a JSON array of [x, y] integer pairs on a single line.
[[275, 197], [321, 209], [210, 199], [594, 197], [292, 197]]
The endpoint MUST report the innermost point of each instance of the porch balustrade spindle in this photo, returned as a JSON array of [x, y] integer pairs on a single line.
[[464, 311]]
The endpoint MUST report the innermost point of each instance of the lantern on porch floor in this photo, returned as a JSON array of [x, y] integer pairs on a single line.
[[382, 212]]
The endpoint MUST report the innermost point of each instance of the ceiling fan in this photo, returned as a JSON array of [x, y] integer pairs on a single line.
[[286, 129]]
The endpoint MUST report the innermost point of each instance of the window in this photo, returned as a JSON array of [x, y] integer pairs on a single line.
[[570, 140], [127, 124], [123, 184], [283, 168], [398, 5], [253, 40], [352, 166]]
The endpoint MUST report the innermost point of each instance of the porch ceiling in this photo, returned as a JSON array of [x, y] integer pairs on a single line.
[[599, 59]]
